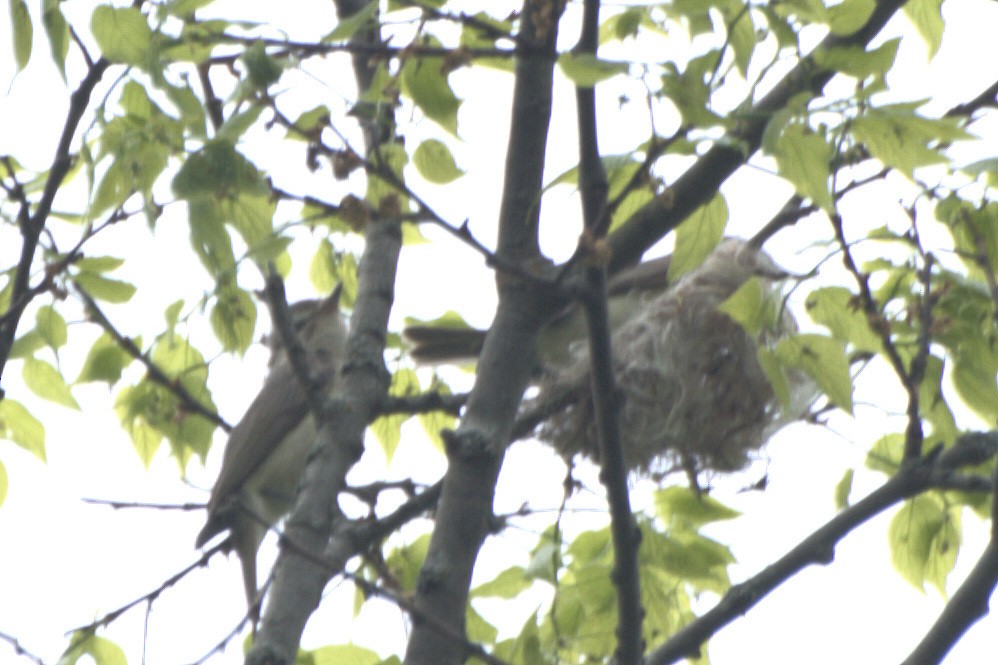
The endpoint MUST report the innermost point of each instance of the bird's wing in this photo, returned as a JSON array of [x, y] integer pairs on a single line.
[[650, 275], [276, 412]]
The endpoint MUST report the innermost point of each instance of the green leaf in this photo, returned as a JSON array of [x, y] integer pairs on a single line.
[[449, 319], [349, 26], [974, 379], [26, 345], [233, 318], [51, 326], [172, 313], [933, 403], [697, 13], [192, 112], [543, 558], [99, 263], [102, 650], [273, 249], [146, 439], [622, 25], [405, 562], [218, 171], [45, 381], [19, 426], [103, 288], [263, 71], [824, 360], [741, 35], [803, 158], [681, 507], [122, 34], [210, 239], [987, 167], [747, 306], [842, 490], [835, 307], [57, 31], [900, 138], [435, 421], [690, 91], [849, 16], [525, 648], [3, 483], [388, 429], [927, 16], [473, 37], [686, 555], [330, 267], [507, 584], [252, 215], [586, 70], [309, 124], [344, 654], [886, 453], [434, 161], [775, 374], [786, 36], [857, 61], [424, 81], [150, 411], [105, 361], [23, 32], [237, 125], [478, 629], [925, 539], [698, 236]]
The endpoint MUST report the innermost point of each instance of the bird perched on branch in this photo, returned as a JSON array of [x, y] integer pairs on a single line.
[[266, 452], [690, 387], [626, 291]]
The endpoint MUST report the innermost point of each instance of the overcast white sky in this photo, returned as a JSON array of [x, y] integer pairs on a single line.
[[64, 563]]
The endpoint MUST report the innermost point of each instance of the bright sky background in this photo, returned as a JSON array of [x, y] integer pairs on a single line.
[[64, 562]]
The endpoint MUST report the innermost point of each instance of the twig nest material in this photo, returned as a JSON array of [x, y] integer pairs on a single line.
[[690, 388]]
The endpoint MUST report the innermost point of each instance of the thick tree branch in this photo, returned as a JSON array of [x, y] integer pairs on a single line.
[[701, 181], [476, 450], [301, 573]]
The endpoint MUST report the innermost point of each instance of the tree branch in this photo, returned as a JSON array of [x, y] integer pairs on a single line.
[[701, 181], [301, 572], [475, 451], [33, 224], [613, 472], [924, 473], [155, 374]]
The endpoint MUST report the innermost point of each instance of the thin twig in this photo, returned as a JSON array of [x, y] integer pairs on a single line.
[[153, 371]]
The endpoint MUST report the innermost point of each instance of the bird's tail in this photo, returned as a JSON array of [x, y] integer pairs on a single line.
[[438, 344]]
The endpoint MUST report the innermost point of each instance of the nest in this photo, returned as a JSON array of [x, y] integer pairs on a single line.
[[690, 388]]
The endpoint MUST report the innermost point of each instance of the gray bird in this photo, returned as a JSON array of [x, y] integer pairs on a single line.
[[557, 342], [266, 452], [690, 386]]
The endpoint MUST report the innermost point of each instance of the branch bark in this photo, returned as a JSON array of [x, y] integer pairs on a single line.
[[613, 472], [475, 450], [301, 572]]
